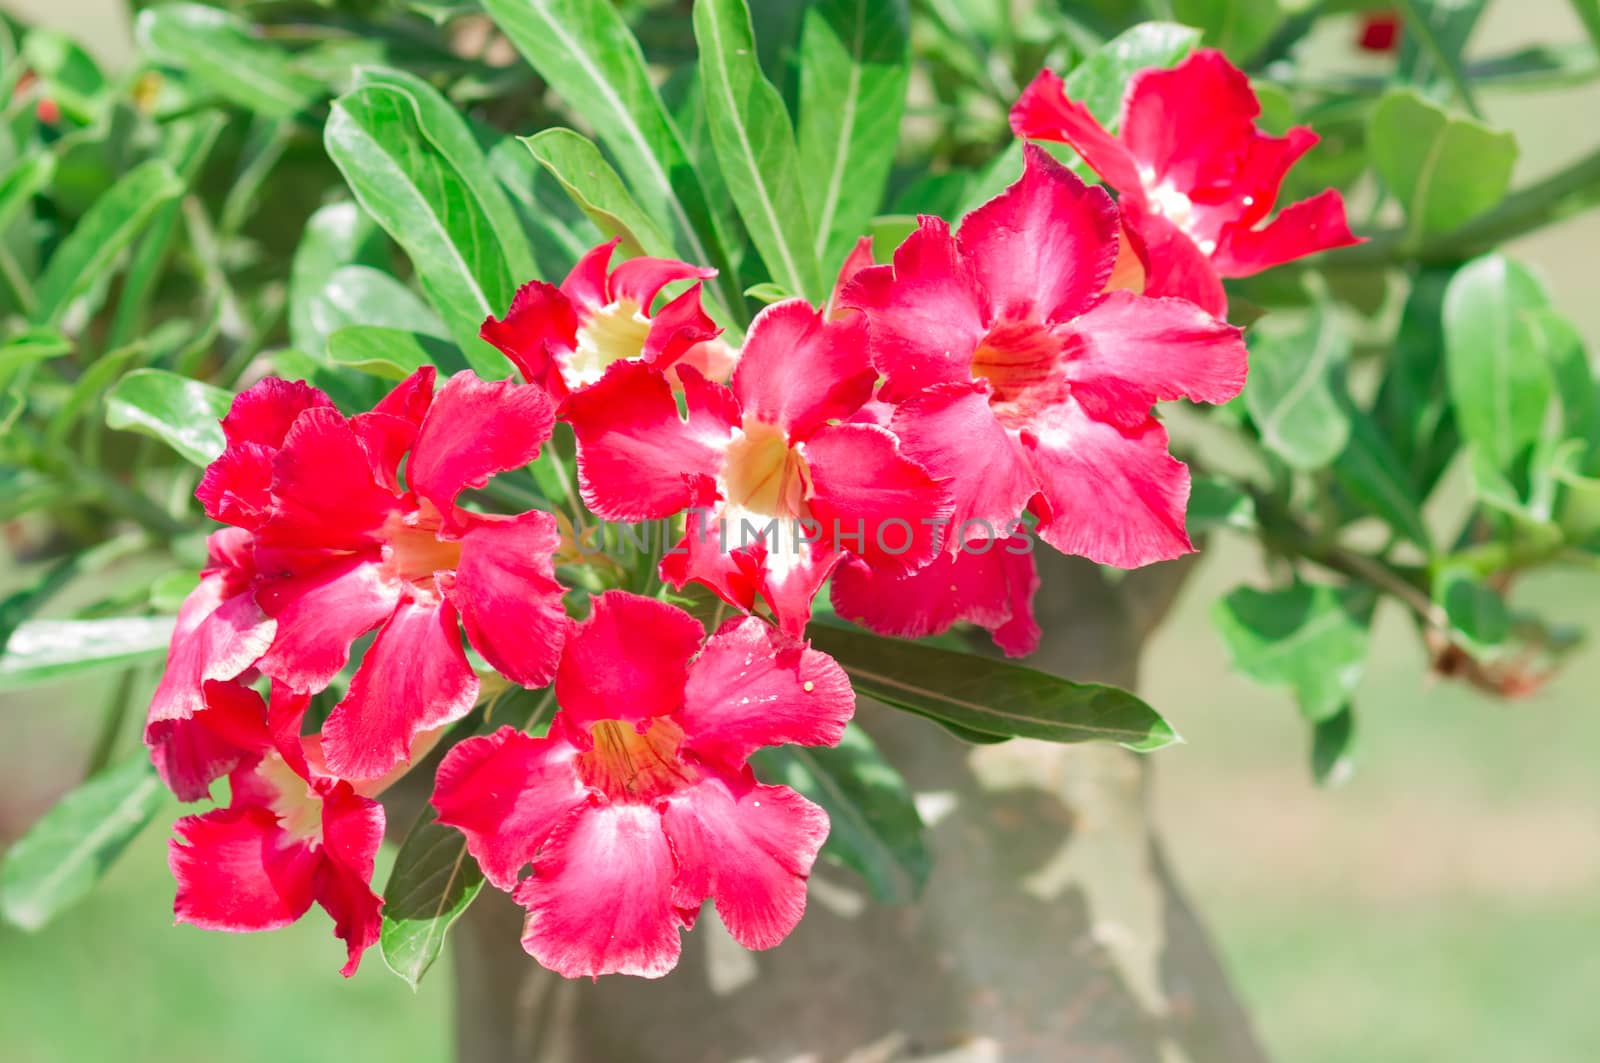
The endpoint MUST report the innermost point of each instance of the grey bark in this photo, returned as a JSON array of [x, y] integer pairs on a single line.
[[1052, 928]]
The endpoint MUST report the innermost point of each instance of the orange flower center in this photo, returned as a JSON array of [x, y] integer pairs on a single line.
[[614, 333], [1021, 361], [413, 550], [764, 475], [639, 765]]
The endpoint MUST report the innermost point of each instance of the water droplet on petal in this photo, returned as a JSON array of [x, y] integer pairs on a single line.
[[808, 686]]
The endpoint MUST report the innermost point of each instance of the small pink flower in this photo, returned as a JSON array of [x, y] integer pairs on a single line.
[[291, 834], [1194, 175], [1018, 376], [780, 490], [564, 338], [638, 805]]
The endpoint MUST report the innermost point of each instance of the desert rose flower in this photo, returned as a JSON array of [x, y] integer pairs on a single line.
[[1196, 179], [778, 488], [290, 836], [638, 805], [342, 547], [1016, 375], [564, 338]]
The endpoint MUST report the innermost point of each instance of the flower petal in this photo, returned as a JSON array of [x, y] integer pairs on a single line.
[[628, 661], [637, 459], [641, 279], [1192, 123], [859, 258], [319, 613], [352, 831], [798, 370], [475, 429], [586, 286], [414, 678], [540, 323], [325, 496], [506, 589], [264, 412], [506, 792], [1175, 266], [600, 899], [237, 870], [1304, 228], [677, 327], [1044, 246], [1045, 113], [221, 632], [189, 756], [871, 499], [753, 686], [751, 848], [1112, 493]]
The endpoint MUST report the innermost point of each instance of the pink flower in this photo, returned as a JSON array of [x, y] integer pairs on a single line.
[[778, 489], [638, 805], [563, 339], [291, 834], [1194, 175], [1018, 376], [342, 547]]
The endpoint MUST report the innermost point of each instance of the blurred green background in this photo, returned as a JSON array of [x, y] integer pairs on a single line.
[[1444, 904]]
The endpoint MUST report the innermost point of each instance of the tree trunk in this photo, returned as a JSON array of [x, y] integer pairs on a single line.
[[1051, 929]]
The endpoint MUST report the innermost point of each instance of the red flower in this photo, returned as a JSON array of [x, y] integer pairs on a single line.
[[1380, 32], [1194, 175], [290, 835], [638, 805], [341, 548], [1016, 375], [779, 488], [563, 339]]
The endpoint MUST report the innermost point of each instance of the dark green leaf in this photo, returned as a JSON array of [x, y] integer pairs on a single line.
[[393, 354], [1238, 27], [1294, 388], [989, 696], [338, 234], [875, 830], [433, 882], [1413, 406], [1445, 169], [222, 52], [22, 182], [1370, 472], [558, 231], [1216, 503], [597, 190], [61, 858], [854, 65], [1309, 637], [182, 413], [427, 206], [1332, 746], [1479, 619]]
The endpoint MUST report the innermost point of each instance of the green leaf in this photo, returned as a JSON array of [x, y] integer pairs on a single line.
[[1216, 503], [559, 233], [22, 182], [1501, 389], [221, 51], [855, 61], [393, 354], [67, 74], [1564, 353], [1101, 80], [1293, 393], [336, 235], [1238, 27], [1445, 169], [875, 830], [182, 413], [362, 295], [1479, 619], [61, 858], [1332, 747], [101, 234], [433, 881], [755, 145], [427, 206], [33, 345], [1371, 473], [42, 651], [449, 133], [594, 186], [587, 54], [1413, 406], [767, 292], [1309, 637], [991, 697]]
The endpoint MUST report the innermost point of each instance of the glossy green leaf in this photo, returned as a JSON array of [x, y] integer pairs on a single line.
[[1445, 169], [1499, 384], [100, 235], [338, 234], [61, 858], [1371, 473], [393, 354], [1479, 619], [1413, 409], [362, 295], [1333, 747], [557, 230], [433, 881], [586, 52], [1309, 637], [1572, 376], [1101, 80], [875, 830], [767, 292], [427, 206], [597, 190], [854, 66], [182, 413], [222, 52], [1293, 393], [755, 146], [989, 696], [450, 135], [1237, 27]]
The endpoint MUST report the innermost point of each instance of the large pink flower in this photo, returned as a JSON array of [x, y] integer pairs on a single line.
[[1194, 176], [563, 338], [1018, 376], [291, 834], [342, 547], [638, 805], [778, 489]]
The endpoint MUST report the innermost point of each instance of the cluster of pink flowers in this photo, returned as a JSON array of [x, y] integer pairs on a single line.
[[905, 441]]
